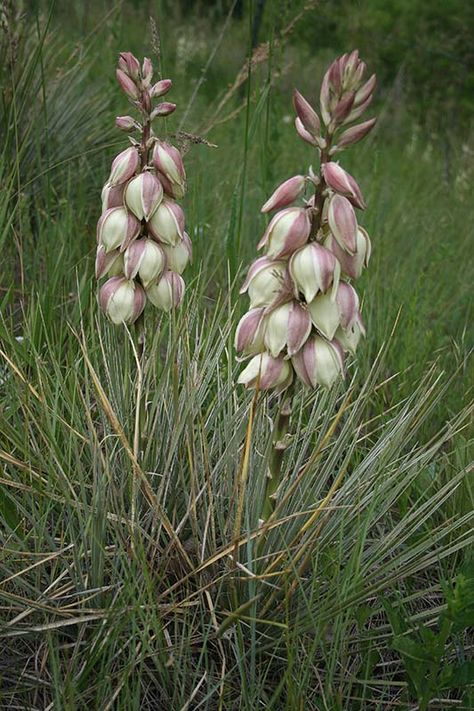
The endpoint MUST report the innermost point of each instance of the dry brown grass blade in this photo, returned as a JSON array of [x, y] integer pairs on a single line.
[[43, 560], [21, 465]]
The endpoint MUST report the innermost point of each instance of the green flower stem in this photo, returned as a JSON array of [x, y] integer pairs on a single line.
[[279, 445], [140, 412]]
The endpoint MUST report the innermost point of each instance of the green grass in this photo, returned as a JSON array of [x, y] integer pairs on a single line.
[[372, 540]]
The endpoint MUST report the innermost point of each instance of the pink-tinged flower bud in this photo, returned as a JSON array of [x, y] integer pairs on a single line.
[[325, 100], [307, 115], [288, 325], [351, 264], [313, 269], [125, 123], [129, 64], [178, 256], [161, 88], [328, 312], [335, 73], [147, 72], [285, 194], [343, 183], [127, 85], [124, 166], [249, 333], [356, 113], [351, 64], [267, 281], [342, 222], [319, 362], [303, 133], [358, 75], [167, 160], [117, 228], [122, 64], [167, 223], [365, 91], [122, 300], [266, 372], [343, 106], [145, 258], [355, 133], [110, 263], [143, 195], [349, 337], [287, 231], [112, 196], [168, 293], [164, 109]]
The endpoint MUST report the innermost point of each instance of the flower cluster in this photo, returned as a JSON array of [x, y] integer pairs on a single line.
[[142, 244], [304, 312]]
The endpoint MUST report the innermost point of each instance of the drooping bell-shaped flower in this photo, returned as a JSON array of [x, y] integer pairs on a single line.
[[122, 300], [124, 166], [285, 194], [349, 337], [143, 194], [167, 223], [266, 372], [145, 258], [168, 292], [328, 312], [249, 332], [314, 269], [343, 223], [287, 231], [319, 362], [172, 190], [108, 263], [287, 326], [117, 228], [167, 161], [342, 183], [112, 196], [266, 282], [351, 264], [179, 255]]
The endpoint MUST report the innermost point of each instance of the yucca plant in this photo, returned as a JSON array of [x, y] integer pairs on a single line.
[[193, 604]]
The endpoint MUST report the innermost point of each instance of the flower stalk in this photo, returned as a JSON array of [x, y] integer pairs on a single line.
[[142, 244], [304, 312]]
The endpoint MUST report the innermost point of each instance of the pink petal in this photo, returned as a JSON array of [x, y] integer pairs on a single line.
[[299, 328], [343, 223], [307, 115]]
